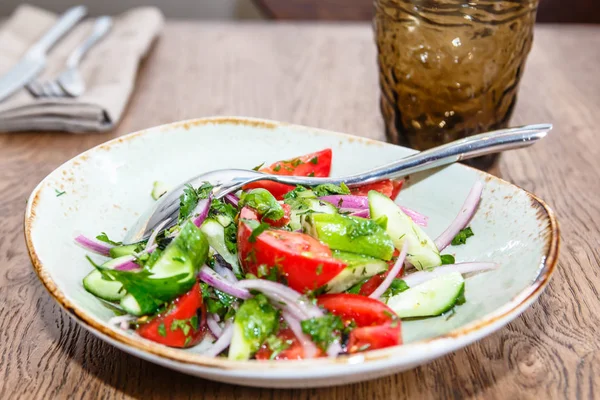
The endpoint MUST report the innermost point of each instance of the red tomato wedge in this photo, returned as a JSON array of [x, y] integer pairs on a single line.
[[373, 283], [377, 325], [364, 311], [387, 187], [375, 337], [182, 325], [306, 263], [316, 164], [294, 351]]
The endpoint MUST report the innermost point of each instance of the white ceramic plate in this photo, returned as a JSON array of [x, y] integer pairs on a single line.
[[108, 186]]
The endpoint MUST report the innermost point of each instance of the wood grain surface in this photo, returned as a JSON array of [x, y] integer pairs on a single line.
[[325, 76]]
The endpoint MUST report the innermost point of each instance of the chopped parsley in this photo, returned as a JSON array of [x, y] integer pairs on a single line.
[[329, 188], [190, 197], [277, 167], [182, 324], [461, 237], [447, 259], [356, 288], [258, 167], [296, 161], [103, 237], [323, 330], [162, 331], [59, 193], [263, 202], [397, 286], [277, 345], [314, 160], [292, 195], [257, 231]]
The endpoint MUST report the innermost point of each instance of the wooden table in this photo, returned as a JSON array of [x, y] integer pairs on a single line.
[[325, 76]]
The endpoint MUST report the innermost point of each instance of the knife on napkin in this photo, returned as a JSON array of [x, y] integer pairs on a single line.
[[34, 60]]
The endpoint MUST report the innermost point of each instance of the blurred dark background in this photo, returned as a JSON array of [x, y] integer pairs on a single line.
[[557, 11]]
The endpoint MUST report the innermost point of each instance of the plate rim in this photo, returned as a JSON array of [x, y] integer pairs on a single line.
[[467, 333]]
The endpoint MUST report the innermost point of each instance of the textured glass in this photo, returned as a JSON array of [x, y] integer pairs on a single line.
[[450, 68]]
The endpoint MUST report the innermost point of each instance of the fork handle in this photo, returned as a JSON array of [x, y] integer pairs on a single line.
[[99, 30], [65, 23], [473, 146]]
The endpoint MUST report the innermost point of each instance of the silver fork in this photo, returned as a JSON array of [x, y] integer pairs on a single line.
[[229, 180], [70, 83]]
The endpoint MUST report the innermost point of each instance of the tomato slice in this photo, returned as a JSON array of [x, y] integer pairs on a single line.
[[377, 324], [306, 263], [182, 325], [375, 337], [373, 283], [295, 351], [387, 187], [316, 164], [364, 311]]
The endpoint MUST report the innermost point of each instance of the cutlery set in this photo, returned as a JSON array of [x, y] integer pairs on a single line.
[[69, 83]]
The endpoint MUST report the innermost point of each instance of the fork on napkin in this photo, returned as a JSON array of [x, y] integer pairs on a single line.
[[109, 70]]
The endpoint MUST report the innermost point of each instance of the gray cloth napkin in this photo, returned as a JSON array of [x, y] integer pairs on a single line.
[[109, 70]]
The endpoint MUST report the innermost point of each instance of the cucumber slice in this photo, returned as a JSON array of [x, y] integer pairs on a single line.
[[131, 306], [158, 190], [351, 234], [254, 321], [307, 205], [430, 298], [224, 220], [107, 290], [120, 251], [422, 252], [215, 234], [359, 268]]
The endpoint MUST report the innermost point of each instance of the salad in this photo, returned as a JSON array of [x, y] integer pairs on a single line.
[[281, 272]]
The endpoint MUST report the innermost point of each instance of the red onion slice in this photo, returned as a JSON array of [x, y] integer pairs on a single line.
[[391, 273], [288, 295], [232, 199], [419, 277], [347, 201], [92, 245], [310, 349], [222, 342], [128, 265], [463, 217], [358, 213], [212, 321], [225, 272], [201, 211], [215, 280]]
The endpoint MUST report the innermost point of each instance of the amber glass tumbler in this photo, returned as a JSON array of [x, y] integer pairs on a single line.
[[450, 68]]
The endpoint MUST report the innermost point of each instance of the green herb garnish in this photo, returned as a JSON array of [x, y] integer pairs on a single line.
[[461, 237], [397, 286], [323, 330], [59, 193], [162, 331], [103, 237], [447, 259]]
